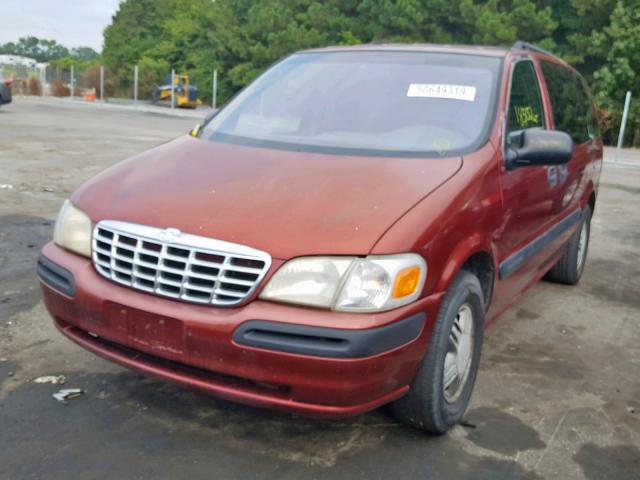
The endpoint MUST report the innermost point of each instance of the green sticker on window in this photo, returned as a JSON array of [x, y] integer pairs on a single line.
[[525, 116]]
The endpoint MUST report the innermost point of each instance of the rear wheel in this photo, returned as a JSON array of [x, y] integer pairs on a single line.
[[569, 268], [440, 393]]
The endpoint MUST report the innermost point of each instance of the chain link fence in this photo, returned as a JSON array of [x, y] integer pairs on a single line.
[[136, 84]]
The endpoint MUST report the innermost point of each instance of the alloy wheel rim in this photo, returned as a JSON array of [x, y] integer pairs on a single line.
[[582, 246], [457, 361]]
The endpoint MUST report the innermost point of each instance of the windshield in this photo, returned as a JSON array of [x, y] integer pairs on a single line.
[[365, 103]]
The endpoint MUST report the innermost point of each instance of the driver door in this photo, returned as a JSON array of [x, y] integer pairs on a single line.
[[527, 191]]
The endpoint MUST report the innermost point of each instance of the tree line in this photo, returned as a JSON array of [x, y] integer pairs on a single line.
[[45, 50], [240, 38]]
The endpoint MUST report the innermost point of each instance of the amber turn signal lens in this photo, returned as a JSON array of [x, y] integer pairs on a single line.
[[406, 283]]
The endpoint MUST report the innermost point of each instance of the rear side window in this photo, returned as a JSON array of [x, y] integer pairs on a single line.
[[571, 105], [525, 103]]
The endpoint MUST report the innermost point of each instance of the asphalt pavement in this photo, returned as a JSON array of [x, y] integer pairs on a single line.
[[558, 394]]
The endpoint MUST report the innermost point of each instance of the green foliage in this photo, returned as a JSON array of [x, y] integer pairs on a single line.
[[85, 54], [618, 44], [39, 49], [65, 63], [150, 71], [43, 50], [240, 38]]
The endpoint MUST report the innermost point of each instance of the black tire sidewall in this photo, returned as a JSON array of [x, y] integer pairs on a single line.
[[572, 273], [586, 219], [467, 290], [424, 406], [566, 270]]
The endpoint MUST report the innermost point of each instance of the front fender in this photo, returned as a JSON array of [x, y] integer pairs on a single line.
[[455, 221]]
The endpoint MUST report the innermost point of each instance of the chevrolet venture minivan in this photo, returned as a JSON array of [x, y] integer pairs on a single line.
[[339, 235]]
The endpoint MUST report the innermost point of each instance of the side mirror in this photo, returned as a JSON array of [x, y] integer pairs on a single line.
[[540, 147]]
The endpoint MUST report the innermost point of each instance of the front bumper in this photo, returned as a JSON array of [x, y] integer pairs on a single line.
[[207, 347]]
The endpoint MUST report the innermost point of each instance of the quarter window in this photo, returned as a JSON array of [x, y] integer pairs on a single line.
[[525, 103]]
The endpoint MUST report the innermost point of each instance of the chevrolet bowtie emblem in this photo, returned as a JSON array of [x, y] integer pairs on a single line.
[[169, 234]]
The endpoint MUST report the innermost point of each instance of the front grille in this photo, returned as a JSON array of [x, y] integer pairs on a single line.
[[177, 265]]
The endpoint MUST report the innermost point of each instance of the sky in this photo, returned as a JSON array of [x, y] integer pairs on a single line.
[[71, 23]]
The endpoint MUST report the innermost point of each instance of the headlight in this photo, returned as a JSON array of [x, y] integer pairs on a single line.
[[73, 230], [371, 284]]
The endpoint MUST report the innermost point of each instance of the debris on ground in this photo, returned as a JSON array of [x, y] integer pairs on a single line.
[[3, 359], [54, 379], [6, 186], [68, 394]]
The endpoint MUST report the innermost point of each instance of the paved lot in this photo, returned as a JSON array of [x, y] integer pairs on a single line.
[[558, 395]]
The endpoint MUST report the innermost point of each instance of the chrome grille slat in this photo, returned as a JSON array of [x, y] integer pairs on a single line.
[[144, 251], [168, 256], [117, 256], [166, 269], [202, 276], [183, 266], [202, 263], [246, 269], [144, 276], [171, 283], [100, 250], [228, 293], [142, 263], [198, 288], [103, 264], [236, 281], [124, 246]]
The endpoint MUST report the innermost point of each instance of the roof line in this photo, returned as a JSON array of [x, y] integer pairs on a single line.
[[520, 45]]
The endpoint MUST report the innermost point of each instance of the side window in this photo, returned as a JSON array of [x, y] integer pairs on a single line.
[[593, 129], [571, 106], [525, 103]]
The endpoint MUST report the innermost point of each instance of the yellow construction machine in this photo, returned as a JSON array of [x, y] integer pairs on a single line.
[[186, 93]]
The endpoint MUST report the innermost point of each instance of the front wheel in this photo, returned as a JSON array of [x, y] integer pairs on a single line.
[[440, 393]]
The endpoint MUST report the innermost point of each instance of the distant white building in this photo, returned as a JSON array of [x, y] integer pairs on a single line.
[[18, 61]]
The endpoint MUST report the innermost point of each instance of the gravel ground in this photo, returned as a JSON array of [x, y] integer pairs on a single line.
[[558, 394]]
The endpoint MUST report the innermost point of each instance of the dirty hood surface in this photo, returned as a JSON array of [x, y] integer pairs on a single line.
[[285, 203]]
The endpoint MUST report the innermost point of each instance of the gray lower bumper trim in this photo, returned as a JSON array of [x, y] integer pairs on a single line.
[[328, 342], [56, 277]]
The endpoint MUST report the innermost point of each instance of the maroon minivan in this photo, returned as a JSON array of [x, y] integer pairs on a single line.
[[339, 235]]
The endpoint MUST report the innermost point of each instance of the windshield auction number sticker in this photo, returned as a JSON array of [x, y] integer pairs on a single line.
[[435, 90]]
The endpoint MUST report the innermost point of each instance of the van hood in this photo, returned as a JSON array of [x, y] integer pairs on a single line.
[[283, 202]]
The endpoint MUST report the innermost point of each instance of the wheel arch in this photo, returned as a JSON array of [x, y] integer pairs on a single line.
[[481, 264], [475, 256]]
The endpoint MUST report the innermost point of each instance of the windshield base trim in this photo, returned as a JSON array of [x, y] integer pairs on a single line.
[[344, 151]]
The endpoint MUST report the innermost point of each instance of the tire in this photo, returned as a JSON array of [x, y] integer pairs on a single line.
[[427, 405], [569, 268]]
